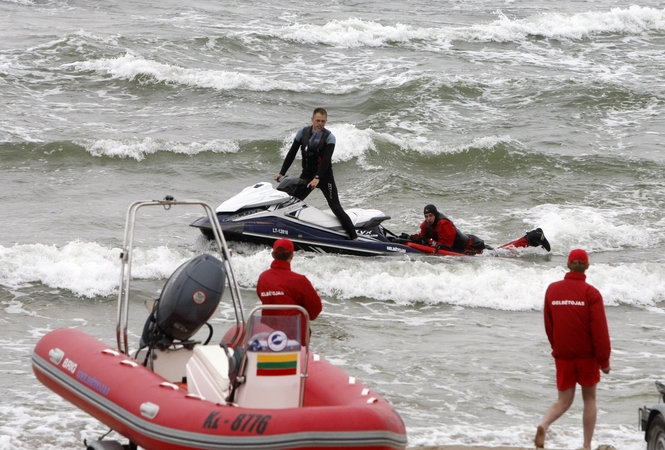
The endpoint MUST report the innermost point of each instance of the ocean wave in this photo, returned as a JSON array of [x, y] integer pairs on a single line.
[[635, 20], [507, 284], [352, 142], [595, 228], [21, 2], [370, 146], [73, 40], [140, 148], [86, 269], [354, 32], [482, 144], [131, 67]]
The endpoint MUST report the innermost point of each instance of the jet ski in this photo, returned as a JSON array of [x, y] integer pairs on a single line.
[[261, 214]]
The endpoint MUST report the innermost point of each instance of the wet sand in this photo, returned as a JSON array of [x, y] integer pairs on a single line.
[[465, 447]]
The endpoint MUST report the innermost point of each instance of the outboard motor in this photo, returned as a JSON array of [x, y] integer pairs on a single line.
[[188, 300]]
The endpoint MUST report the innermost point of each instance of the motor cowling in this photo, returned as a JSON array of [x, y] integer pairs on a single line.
[[188, 300]]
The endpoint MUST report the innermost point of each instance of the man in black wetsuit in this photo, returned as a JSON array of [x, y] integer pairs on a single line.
[[317, 144]]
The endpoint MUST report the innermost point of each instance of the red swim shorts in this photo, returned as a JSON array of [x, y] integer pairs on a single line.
[[585, 371]]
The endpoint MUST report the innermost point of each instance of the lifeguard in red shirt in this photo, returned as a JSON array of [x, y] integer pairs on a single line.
[[576, 327], [281, 286]]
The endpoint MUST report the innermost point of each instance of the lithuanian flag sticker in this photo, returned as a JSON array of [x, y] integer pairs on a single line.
[[277, 365]]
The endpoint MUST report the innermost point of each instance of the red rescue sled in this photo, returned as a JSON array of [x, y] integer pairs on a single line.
[[533, 238]]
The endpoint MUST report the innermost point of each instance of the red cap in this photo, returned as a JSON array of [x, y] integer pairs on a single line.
[[578, 255], [283, 246]]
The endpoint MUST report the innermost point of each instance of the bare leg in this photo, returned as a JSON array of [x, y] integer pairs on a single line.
[[553, 413], [589, 414]]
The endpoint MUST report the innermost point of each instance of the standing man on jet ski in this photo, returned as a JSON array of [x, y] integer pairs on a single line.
[[437, 230], [317, 144]]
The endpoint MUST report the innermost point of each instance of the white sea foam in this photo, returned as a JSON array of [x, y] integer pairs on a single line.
[[84, 268], [517, 436], [131, 67], [595, 229], [635, 20], [352, 142], [33, 420], [484, 142], [24, 3], [140, 148], [511, 284], [486, 282], [354, 32]]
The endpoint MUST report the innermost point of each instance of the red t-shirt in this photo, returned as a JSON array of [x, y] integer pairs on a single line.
[[575, 320]]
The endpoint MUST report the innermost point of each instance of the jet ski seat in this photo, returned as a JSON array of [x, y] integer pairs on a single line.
[[361, 218]]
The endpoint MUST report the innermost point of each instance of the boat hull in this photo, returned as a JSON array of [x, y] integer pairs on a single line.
[[338, 412]]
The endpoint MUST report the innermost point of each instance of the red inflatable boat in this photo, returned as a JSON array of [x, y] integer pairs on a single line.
[[261, 389], [337, 411]]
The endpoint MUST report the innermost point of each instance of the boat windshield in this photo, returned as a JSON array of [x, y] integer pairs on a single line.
[[276, 330]]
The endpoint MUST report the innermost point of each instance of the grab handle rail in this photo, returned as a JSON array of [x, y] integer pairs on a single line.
[[126, 264]]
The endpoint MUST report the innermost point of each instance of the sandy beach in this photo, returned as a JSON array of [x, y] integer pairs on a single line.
[[463, 447]]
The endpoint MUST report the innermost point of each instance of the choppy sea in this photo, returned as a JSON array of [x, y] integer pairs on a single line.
[[507, 115]]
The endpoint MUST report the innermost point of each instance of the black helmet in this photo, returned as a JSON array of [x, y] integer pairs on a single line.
[[431, 209]]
